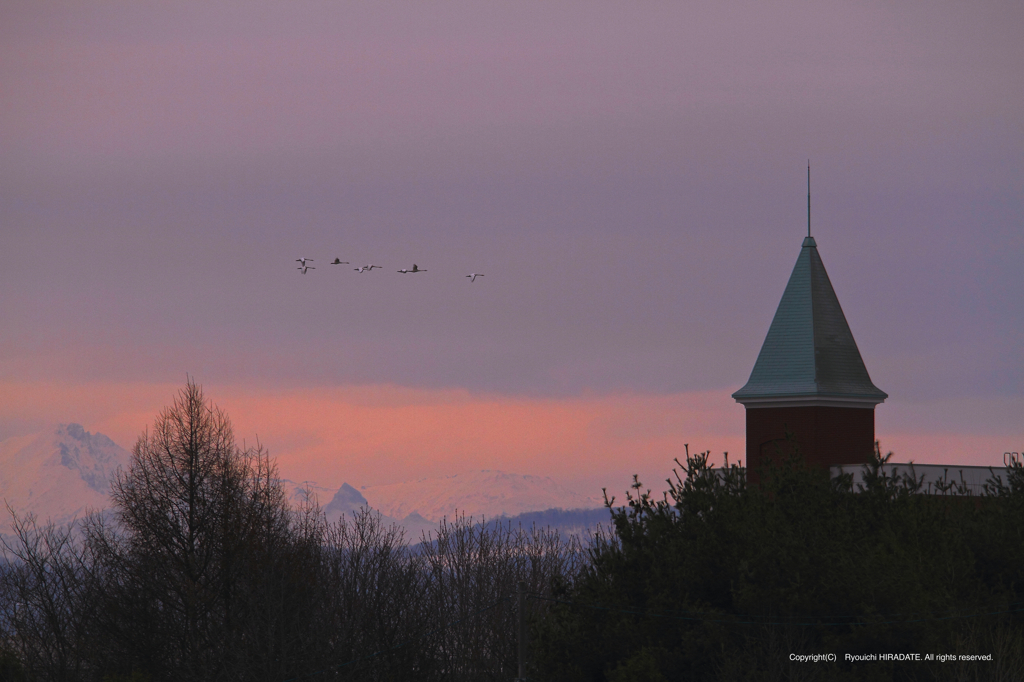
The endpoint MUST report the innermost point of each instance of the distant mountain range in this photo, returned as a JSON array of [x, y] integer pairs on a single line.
[[63, 472], [479, 494], [420, 505]]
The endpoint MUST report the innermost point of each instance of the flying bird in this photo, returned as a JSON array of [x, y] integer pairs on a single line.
[[472, 277], [305, 267], [371, 267], [362, 269], [303, 261], [416, 268], [338, 261]]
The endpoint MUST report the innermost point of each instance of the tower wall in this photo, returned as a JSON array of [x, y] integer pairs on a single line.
[[826, 435]]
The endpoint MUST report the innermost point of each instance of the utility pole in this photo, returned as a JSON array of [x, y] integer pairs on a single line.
[[521, 628]]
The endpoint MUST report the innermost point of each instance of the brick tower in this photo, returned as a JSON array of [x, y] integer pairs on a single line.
[[809, 379]]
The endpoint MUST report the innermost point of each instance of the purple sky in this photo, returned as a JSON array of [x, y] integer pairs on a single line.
[[630, 177]]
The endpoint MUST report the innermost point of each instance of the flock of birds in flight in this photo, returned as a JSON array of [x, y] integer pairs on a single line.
[[415, 269]]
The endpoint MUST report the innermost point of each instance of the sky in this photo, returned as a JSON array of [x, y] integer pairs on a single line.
[[629, 177]]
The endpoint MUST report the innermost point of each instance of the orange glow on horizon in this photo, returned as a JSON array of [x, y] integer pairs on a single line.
[[370, 435]]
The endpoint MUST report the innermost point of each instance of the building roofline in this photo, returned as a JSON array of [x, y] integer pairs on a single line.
[[810, 400], [809, 355]]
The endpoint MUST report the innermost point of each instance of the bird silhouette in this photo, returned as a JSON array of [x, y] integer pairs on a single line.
[[304, 268], [303, 261], [416, 268], [472, 277], [338, 261]]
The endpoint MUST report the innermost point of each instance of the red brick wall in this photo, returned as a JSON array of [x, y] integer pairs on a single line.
[[826, 435]]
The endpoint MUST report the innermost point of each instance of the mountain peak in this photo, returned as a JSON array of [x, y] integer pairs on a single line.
[[93, 456], [347, 500], [59, 473], [77, 432], [347, 497]]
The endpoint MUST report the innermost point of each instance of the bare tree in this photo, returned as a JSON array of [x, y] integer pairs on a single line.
[[195, 516], [45, 602], [374, 591], [474, 569]]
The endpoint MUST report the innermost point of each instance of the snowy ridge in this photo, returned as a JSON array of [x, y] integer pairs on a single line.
[[418, 506], [480, 494], [59, 474]]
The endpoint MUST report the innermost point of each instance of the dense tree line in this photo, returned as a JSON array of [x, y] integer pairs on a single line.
[[721, 580], [203, 572]]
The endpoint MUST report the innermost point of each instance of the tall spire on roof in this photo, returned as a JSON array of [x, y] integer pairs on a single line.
[[809, 393], [809, 356]]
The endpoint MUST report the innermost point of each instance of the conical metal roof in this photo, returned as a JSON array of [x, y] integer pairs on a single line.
[[809, 356]]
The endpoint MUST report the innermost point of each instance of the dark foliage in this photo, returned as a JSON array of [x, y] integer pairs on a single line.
[[721, 580]]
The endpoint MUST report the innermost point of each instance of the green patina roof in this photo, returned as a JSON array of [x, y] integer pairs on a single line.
[[809, 351]]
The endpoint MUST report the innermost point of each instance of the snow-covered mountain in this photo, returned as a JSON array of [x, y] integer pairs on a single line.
[[480, 494], [418, 506], [58, 474], [333, 502], [349, 501], [65, 471]]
